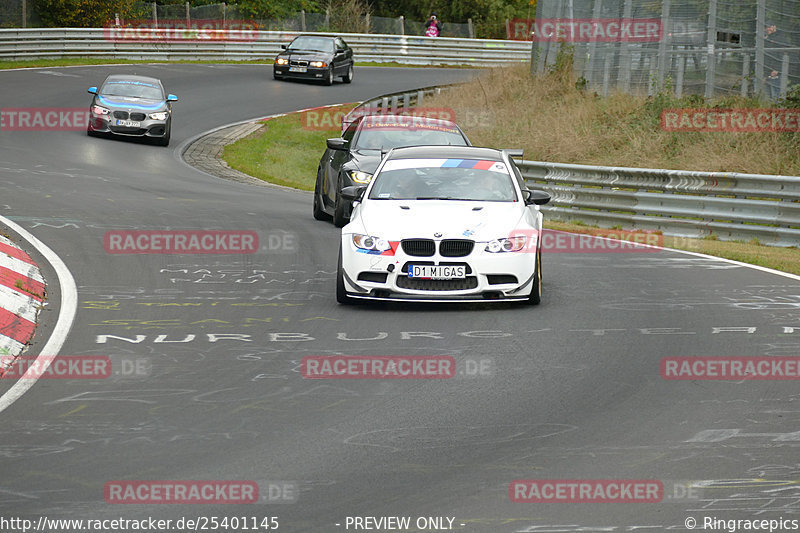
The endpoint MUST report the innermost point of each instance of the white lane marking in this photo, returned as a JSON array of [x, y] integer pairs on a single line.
[[66, 315], [21, 267], [18, 303]]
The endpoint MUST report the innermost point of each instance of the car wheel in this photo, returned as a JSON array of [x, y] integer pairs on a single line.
[[340, 219], [341, 293], [347, 78], [536, 291], [318, 212], [329, 78]]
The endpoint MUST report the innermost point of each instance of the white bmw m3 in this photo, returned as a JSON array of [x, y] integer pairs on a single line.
[[443, 223]]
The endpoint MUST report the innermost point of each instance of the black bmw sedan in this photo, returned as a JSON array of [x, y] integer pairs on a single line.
[[131, 106], [314, 57]]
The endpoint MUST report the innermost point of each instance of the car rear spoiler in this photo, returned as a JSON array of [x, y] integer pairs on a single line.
[[513, 152]]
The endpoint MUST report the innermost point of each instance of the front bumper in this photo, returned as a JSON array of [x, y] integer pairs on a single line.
[[489, 276], [311, 73], [147, 128]]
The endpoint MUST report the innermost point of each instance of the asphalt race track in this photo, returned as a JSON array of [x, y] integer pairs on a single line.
[[570, 389]]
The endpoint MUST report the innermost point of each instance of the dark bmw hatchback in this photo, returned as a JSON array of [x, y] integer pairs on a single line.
[[314, 57]]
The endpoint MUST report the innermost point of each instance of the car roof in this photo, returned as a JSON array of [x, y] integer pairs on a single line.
[[133, 77], [315, 36], [388, 119], [449, 152]]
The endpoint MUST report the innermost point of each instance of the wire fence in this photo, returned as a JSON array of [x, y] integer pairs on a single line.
[[706, 47], [22, 14]]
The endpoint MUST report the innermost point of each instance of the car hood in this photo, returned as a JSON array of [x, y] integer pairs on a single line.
[[364, 160], [479, 221], [307, 55], [128, 102]]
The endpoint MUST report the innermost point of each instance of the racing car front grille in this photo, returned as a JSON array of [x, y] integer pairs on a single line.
[[122, 115], [138, 116], [456, 247], [417, 284], [418, 247], [298, 63]]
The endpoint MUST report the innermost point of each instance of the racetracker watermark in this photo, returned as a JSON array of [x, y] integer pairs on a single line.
[[181, 242], [730, 368], [586, 491], [599, 241], [44, 119], [599, 30], [200, 492], [378, 367], [178, 30], [731, 120], [332, 119], [73, 367]]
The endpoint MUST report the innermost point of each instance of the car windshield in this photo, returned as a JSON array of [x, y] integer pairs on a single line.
[[315, 44], [443, 179], [136, 89], [377, 134]]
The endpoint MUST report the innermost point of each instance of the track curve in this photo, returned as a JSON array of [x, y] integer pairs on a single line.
[[570, 390]]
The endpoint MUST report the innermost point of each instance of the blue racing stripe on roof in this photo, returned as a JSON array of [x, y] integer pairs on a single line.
[[452, 163]]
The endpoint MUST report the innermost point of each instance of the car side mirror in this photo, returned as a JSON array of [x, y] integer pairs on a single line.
[[354, 193], [337, 144], [172, 98], [535, 197], [283, 47], [92, 90]]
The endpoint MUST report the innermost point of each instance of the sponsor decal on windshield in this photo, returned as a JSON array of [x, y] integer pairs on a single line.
[[476, 164]]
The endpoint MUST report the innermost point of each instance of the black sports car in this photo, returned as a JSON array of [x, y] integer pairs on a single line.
[[353, 158], [314, 57], [133, 106]]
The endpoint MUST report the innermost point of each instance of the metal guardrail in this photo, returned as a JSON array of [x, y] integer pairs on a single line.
[[40, 43], [682, 203]]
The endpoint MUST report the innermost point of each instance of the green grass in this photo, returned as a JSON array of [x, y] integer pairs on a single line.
[[283, 151]]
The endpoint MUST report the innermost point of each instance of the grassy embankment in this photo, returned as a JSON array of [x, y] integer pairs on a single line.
[[553, 119]]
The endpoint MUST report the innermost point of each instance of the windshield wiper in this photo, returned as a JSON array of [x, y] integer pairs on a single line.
[[436, 198]]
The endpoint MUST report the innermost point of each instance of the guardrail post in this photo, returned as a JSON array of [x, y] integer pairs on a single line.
[[679, 80], [470, 29], [784, 75], [402, 21], [420, 97], [761, 15], [606, 74], [394, 105], [745, 73], [384, 105], [711, 61], [302, 20], [406, 101]]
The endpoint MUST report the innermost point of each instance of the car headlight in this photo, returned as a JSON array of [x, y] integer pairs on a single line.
[[360, 177], [281, 61], [318, 64], [161, 115], [367, 242], [98, 110], [512, 244]]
